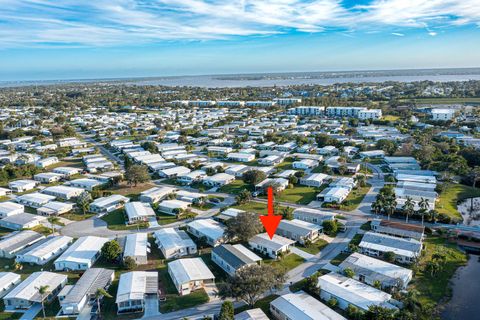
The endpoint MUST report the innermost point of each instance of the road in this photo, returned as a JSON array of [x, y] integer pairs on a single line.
[[103, 150]]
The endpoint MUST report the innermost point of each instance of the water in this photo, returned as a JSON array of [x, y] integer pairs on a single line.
[[466, 288]]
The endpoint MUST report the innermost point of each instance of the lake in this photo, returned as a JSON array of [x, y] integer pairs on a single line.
[[466, 288]]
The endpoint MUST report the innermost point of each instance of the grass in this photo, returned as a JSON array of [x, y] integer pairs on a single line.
[[263, 304], [434, 289], [204, 206], [257, 207], [298, 195], [287, 262], [236, 187], [4, 198], [315, 247], [4, 231], [130, 191], [8, 315], [77, 216], [448, 199], [390, 117], [339, 258], [75, 163], [183, 302], [116, 221], [285, 165], [42, 229], [163, 218], [354, 198]]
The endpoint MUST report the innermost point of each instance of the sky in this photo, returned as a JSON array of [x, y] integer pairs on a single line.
[[66, 39]]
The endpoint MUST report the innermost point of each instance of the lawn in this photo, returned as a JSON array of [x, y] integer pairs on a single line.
[[433, 289], [77, 216], [263, 304], [288, 262], [163, 218], [75, 163], [390, 117], [131, 191], [315, 247], [116, 221], [447, 201], [354, 198], [204, 206], [235, 187], [285, 165], [42, 229], [339, 258], [257, 207], [176, 302], [298, 195]]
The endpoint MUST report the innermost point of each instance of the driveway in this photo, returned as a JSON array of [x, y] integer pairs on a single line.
[[301, 253], [31, 313], [151, 307]]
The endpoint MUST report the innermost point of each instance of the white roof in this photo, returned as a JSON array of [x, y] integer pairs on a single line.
[[7, 207], [138, 209], [174, 204], [48, 246], [190, 269], [298, 227], [316, 177], [355, 292], [20, 183], [134, 285], [276, 243], [301, 306], [7, 278], [62, 189], [35, 197], [170, 238], [232, 212], [158, 191], [220, 177], [86, 182], [83, 250], [28, 289], [107, 201], [384, 243], [208, 227], [313, 212], [135, 245], [252, 314]]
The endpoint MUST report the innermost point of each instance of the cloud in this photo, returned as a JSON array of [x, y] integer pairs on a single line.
[[398, 34], [26, 23]]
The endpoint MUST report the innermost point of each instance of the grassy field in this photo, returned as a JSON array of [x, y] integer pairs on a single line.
[[315, 247], [75, 163], [288, 262], [131, 191], [433, 289], [235, 187], [285, 165], [298, 194], [390, 118], [163, 218], [257, 207], [447, 201], [77, 216], [354, 198], [116, 221]]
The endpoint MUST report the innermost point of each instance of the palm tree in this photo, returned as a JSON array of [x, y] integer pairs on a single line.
[[408, 207], [377, 206], [390, 205], [424, 206], [365, 161], [98, 295], [475, 174], [43, 291], [53, 220], [360, 179]]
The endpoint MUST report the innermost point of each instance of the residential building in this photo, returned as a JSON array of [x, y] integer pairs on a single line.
[[377, 244], [81, 255], [156, 194], [63, 192], [138, 211], [189, 274], [55, 208], [173, 207], [211, 230], [48, 177], [304, 164], [44, 250], [270, 247], [398, 229], [10, 245], [34, 200], [333, 195], [314, 179], [133, 288], [218, 180], [87, 184], [174, 243], [8, 280], [137, 247], [252, 314], [22, 185], [232, 258], [312, 215], [108, 204], [22, 221], [298, 230], [8, 208]]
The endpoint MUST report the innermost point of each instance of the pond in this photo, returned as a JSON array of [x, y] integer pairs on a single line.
[[466, 287]]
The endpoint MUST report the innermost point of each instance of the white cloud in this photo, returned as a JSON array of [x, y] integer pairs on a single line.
[[398, 34], [112, 22]]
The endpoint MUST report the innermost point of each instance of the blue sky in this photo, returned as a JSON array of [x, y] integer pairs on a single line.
[[65, 39]]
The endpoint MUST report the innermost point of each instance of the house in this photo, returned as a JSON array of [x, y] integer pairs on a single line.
[[232, 258], [372, 154], [48, 177], [44, 250], [174, 243], [272, 160], [210, 229], [22, 185], [372, 114], [270, 247], [287, 147], [173, 207], [87, 184], [189, 274], [227, 214], [252, 314], [439, 114], [5, 192], [81, 255], [108, 204], [218, 180], [241, 157], [155, 194], [301, 306], [10, 208], [10, 245], [34, 200], [63, 192], [139, 211], [8, 280], [55, 208], [137, 247], [133, 288], [398, 229], [279, 184], [67, 172], [304, 164], [344, 182], [192, 197], [312, 215], [77, 296], [406, 250], [314, 179], [298, 230], [369, 270], [285, 174], [349, 291], [173, 172], [191, 177], [237, 170], [26, 293], [43, 163], [22, 221], [333, 195]]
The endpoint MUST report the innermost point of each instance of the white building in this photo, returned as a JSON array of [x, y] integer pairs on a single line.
[[334, 194], [304, 164], [349, 291], [252, 314], [137, 247], [48, 177], [377, 244], [22, 185], [189, 274], [55, 208], [45, 250], [442, 114], [22, 221], [298, 230], [34, 200], [155, 194], [10, 208], [218, 180], [81, 255], [174, 243], [108, 204], [314, 179], [66, 172], [232, 258], [138, 211], [10, 245], [372, 114], [43, 163], [8, 280], [307, 111], [270, 247], [133, 288], [87, 184], [313, 215], [212, 230], [173, 207], [241, 157], [63, 192]]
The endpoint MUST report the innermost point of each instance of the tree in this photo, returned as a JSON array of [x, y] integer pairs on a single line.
[[250, 282], [254, 177], [330, 227], [408, 207], [342, 169], [380, 313], [53, 220], [424, 206], [389, 256], [244, 226], [83, 201], [99, 294], [388, 146], [332, 303], [361, 180], [377, 284], [287, 213], [243, 196], [111, 250], [137, 174], [129, 263], [227, 311], [349, 273], [43, 291], [311, 285]]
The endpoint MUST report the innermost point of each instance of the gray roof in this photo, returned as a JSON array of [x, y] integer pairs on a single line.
[[19, 240], [232, 256], [91, 280]]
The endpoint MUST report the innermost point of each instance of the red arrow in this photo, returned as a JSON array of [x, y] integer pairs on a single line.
[[270, 221]]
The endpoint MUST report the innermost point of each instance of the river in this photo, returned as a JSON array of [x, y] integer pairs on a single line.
[[464, 303]]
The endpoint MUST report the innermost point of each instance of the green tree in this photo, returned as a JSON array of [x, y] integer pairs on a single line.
[[43, 292], [99, 294], [348, 272], [244, 226], [330, 227], [137, 174], [311, 285], [243, 196], [388, 146], [111, 250], [380, 313], [254, 177], [129, 263], [83, 201], [408, 207], [53, 220], [389, 256], [227, 311]]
